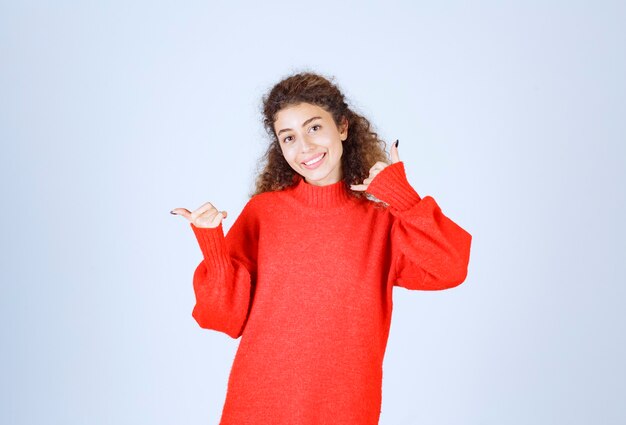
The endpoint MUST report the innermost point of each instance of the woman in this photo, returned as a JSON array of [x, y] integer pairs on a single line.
[[306, 272]]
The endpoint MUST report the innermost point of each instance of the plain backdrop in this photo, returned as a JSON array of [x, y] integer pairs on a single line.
[[510, 114]]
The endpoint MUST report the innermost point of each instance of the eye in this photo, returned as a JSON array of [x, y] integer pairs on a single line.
[[285, 139], [317, 126]]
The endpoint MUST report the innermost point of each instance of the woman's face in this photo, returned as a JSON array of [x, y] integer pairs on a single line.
[[306, 133]]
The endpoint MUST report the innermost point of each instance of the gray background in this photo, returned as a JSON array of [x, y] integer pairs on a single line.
[[510, 114]]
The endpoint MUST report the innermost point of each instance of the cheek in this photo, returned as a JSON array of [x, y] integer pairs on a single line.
[[338, 147], [289, 154]]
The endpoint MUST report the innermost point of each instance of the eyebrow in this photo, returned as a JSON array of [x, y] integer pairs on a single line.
[[303, 124]]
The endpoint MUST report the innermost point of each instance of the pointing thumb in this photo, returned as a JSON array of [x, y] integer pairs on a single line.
[[394, 152]]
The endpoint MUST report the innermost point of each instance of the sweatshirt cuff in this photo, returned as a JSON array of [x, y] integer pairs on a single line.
[[213, 246], [392, 187]]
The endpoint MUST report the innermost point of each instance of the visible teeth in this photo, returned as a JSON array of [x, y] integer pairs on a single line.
[[315, 160]]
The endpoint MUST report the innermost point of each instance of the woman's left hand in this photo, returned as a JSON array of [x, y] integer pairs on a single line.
[[377, 168]]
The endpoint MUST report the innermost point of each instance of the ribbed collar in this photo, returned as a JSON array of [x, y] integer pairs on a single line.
[[331, 195]]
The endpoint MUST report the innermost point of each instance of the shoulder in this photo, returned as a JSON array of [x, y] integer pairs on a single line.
[[260, 204], [269, 198]]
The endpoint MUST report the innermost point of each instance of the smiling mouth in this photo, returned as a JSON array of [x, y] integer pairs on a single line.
[[315, 160]]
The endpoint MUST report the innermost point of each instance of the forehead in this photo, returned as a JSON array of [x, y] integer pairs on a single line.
[[297, 114]]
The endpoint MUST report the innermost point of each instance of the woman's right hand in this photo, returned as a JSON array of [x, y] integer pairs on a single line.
[[206, 216]]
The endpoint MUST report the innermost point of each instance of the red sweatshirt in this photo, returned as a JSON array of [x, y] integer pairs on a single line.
[[305, 277]]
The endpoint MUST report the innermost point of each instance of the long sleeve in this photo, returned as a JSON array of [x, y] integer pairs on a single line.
[[223, 281], [429, 251]]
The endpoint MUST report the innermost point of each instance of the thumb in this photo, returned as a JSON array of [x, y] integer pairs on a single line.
[[182, 211], [394, 152]]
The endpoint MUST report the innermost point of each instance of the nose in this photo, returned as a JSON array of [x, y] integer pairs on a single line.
[[306, 144]]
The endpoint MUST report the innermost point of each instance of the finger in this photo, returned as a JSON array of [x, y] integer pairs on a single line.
[[359, 187], [181, 211], [214, 214], [394, 152], [217, 218], [224, 214], [375, 173], [378, 166], [212, 218], [207, 206]]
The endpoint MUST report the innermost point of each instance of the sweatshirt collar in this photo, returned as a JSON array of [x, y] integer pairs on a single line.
[[331, 195]]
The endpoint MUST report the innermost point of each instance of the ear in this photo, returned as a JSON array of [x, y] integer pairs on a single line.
[[343, 128]]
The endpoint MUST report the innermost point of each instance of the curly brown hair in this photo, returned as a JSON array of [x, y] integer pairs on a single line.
[[361, 149]]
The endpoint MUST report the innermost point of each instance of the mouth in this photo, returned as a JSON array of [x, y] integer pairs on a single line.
[[314, 162]]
